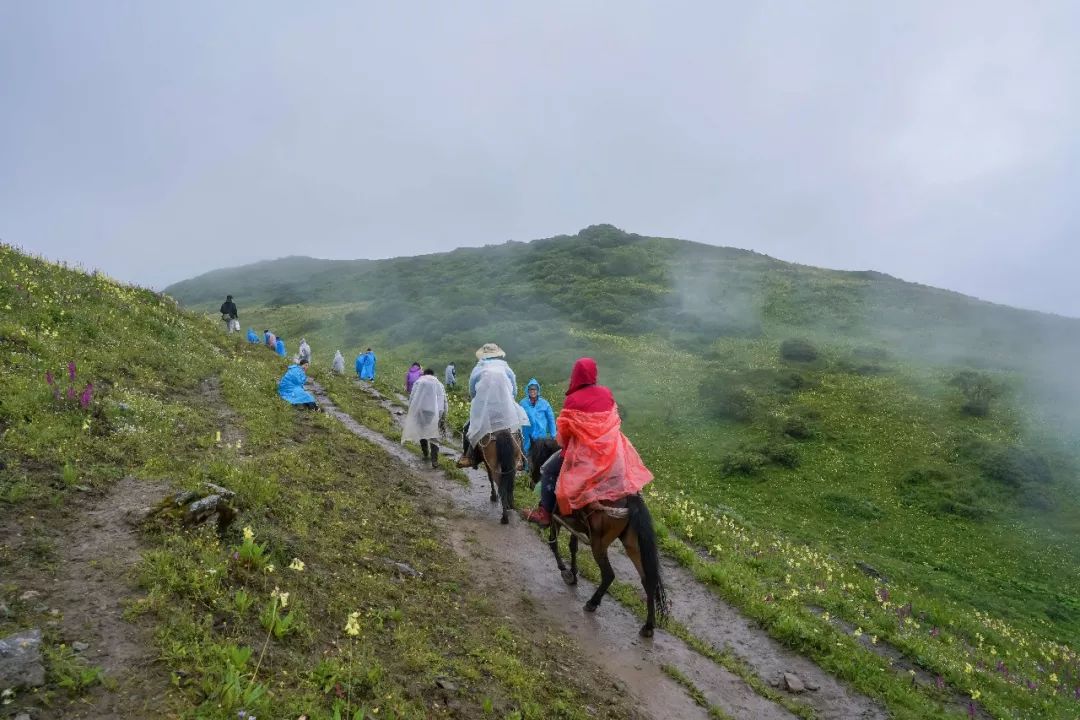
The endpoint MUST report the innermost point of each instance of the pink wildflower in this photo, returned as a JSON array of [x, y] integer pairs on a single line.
[[71, 371], [49, 378], [86, 396]]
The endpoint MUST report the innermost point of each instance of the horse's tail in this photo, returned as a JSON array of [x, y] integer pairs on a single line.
[[642, 525], [505, 453]]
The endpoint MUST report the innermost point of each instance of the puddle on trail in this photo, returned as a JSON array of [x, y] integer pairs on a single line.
[[513, 561]]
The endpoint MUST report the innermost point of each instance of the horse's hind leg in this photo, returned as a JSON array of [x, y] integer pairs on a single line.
[[630, 543], [491, 481], [573, 560], [607, 575]]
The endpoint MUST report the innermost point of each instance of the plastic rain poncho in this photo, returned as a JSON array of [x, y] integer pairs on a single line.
[[493, 406], [541, 417], [291, 387], [427, 404], [365, 365], [279, 347], [305, 350], [252, 337], [599, 462], [338, 366]]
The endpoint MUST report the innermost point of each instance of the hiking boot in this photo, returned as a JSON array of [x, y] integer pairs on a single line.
[[540, 516]]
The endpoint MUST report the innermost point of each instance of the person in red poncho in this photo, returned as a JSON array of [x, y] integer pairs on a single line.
[[597, 463]]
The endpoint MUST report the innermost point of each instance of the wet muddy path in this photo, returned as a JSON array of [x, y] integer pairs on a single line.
[[515, 562]]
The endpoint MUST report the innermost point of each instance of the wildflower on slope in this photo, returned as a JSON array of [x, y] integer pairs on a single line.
[[352, 625], [968, 669], [281, 597], [249, 534], [297, 564]]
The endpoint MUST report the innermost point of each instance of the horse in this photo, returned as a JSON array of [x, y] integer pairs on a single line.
[[627, 519], [499, 452]]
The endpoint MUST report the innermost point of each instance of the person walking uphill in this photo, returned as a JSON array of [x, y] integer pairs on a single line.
[[427, 416], [541, 418], [451, 376], [304, 353], [414, 373], [291, 387], [597, 462], [279, 346], [338, 366], [365, 365], [229, 315]]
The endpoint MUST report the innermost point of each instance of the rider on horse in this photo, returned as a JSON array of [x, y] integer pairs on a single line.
[[600, 463], [493, 389]]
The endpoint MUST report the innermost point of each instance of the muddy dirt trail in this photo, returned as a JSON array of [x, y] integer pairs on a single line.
[[693, 605], [514, 559]]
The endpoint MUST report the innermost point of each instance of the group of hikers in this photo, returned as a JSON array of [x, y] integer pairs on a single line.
[[595, 462]]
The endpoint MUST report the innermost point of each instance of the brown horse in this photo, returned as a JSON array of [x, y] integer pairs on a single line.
[[626, 519], [499, 452]]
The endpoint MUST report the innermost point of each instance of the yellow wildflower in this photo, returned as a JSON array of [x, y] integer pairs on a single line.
[[270, 568], [249, 534], [975, 694], [873, 639], [858, 632], [297, 564], [968, 669], [352, 625]]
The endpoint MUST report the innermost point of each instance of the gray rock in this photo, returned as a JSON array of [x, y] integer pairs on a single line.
[[23, 716], [793, 683], [20, 660], [29, 595], [5, 611], [79, 646]]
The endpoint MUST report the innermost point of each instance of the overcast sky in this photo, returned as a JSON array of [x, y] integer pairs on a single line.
[[934, 141]]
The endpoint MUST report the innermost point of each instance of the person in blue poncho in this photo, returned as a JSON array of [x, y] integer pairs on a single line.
[[541, 417], [252, 337], [291, 387], [365, 365], [279, 347]]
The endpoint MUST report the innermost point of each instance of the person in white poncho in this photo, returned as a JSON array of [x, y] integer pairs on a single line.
[[427, 415], [493, 388], [339, 363]]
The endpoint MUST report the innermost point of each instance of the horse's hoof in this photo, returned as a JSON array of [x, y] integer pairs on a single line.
[[645, 631], [505, 519], [590, 608], [569, 578], [494, 497]]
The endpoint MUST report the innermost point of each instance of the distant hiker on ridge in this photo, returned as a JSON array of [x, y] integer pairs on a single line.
[[451, 376], [338, 366], [365, 365], [279, 346], [414, 373], [229, 316], [270, 339], [305, 350], [253, 337]]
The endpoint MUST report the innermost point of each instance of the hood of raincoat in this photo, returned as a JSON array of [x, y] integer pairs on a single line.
[[583, 374], [533, 383]]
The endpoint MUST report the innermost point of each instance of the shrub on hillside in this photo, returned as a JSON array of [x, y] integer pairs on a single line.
[[798, 350], [798, 427], [851, 507], [742, 462], [727, 402], [1017, 466], [978, 390], [941, 491]]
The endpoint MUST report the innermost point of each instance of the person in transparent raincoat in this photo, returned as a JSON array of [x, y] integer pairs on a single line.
[[426, 418], [493, 388]]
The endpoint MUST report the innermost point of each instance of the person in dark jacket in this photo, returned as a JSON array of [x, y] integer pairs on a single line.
[[229, 315]]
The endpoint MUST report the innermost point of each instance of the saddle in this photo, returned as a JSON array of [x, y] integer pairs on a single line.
[[578, 521]]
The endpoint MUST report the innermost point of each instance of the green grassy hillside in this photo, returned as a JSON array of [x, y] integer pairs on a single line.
[[299, 607], [801, 423]]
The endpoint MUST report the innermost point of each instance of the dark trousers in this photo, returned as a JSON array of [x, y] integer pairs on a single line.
[[434, 449], [549, 477]]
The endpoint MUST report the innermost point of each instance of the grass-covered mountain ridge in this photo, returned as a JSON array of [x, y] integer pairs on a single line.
[[609, 280]]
